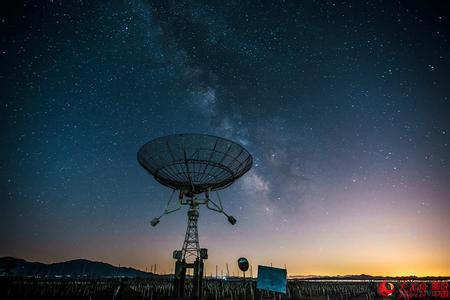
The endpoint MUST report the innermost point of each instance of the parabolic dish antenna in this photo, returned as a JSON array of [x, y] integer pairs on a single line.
[[194, 163]]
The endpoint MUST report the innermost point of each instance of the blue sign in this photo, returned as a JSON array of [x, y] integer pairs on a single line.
[[272, 279]]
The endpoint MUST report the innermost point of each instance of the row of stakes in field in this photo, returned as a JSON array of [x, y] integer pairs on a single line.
[[216, 274]]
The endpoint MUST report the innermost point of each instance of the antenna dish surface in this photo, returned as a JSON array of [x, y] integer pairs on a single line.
[[194, 163]]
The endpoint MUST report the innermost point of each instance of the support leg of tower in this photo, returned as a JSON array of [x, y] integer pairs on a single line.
[[197, 279], [179, 279]]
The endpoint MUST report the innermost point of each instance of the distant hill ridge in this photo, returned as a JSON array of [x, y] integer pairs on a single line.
[[366, 277], [72, 268], [83, 268]]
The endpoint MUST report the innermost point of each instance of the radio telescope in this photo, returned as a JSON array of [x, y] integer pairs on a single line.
[[194, 165]]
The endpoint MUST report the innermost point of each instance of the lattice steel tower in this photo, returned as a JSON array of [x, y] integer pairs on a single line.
[[191, 246]]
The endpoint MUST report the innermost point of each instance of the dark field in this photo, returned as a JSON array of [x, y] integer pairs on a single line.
[[162, 288]]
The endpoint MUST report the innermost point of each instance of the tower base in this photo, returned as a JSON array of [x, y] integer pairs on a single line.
[[180, 278]]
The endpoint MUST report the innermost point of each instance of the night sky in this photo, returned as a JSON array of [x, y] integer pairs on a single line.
[[343, 105]]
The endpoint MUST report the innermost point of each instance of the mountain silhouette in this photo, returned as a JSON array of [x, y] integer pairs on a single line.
[[72, 268]]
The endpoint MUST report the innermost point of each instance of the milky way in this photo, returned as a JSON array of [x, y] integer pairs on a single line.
[[343, 105]]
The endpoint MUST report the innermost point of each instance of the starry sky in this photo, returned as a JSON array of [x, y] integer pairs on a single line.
[[343, 105]]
